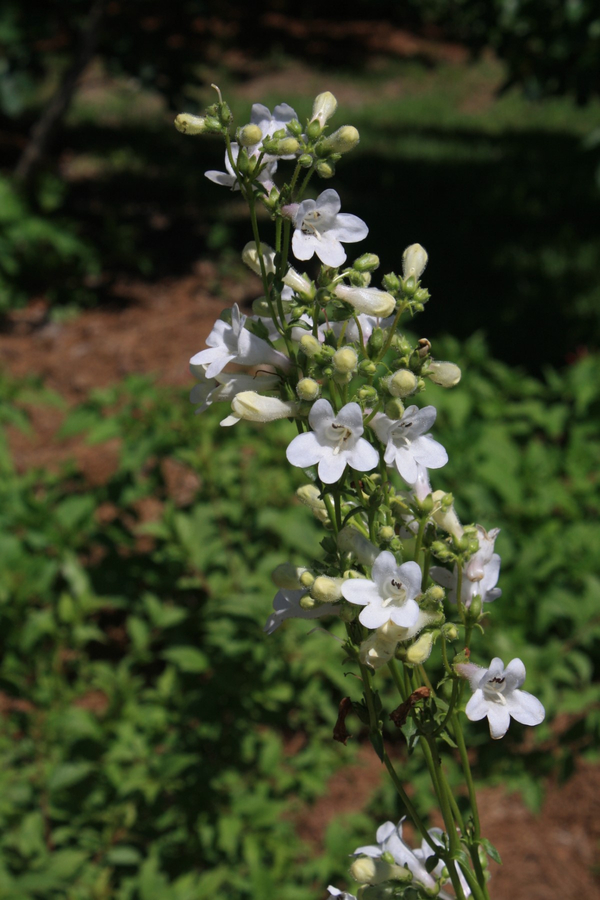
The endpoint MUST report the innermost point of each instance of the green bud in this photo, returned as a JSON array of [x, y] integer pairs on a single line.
[[342, 377], [394, 409], [249, 135], [308, 389], [409, 285], [313, 130], [375, 343], [474, 610], [391, 282], [325, 169], [186, 123], [368, 262], [294, 127], [367, 368], [367, 395], [343, 140], [225, 114], [287, 146], [213, 125], [386, 534], [402, 383], [243, 162], [305, 160], [450, 631]]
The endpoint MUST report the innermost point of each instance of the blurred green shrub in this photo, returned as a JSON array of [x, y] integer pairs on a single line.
[[154, 743]]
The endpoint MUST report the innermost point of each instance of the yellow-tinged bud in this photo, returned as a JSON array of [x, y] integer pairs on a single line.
[[309, 495], [450, 631], [345, 360], [386, 534], [307, 579], [414, 260], [186, 123], [251, 258], [305, 160], [444, 514], [343, 140], [299, 283], [367, 870], [371, 301], [323, 108], [249, 135], [325, 169], [446, 374], [310, 345], [402, 383], [287, 147], [308, 389], [326, 589], [418, 652], [307, 602], [394, 409], [287, 575], [256, 408]]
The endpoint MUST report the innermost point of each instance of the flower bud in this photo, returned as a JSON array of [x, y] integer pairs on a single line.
[[446, 374], [418, 652], [305, 160], [386, 534], [309, 495], [444, 514], [307, 579], [414, 260], [371, 301], [307, 602], [343, 140], [255, 408], [251, 258], [310, 345], [367, 394], [367, 870], [299, 283], [350, 540], [294, 127], [345, 360], [287, 146], [325, 169], [249, 135], [402, 383], [287, 575], [450, 631], [323, 108], [308, 389], [326, 589], [368, 262], [394, 409], [186, 123]]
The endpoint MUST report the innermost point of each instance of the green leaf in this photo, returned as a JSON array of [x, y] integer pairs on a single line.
[[68, 774], [187, 659]]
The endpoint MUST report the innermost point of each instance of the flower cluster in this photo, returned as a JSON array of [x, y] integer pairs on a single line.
[[325, 349]]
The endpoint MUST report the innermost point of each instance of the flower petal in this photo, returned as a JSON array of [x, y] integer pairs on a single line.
[[477, 707], [360, 591], [525, 708], [331, 467], [303, 245], [349, 228], [499, 720], [362, 457], [304, 450], [328, 249]]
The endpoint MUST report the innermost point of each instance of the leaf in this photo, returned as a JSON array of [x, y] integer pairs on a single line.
[[376, 739], [491, 850], [123, 855], [187, 659], [66, 775]]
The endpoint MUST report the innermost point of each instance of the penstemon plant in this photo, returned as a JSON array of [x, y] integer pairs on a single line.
[[328, 353]]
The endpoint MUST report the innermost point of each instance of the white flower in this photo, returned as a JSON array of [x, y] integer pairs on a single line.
[[497, 696], [234, 343], [389, 840], [480, 575], [377, 650], [229, 178], [334, 443], [253, 407], [320, 228], [225, 386], [286, 605], [425, 852], [421, 486], [414, 260], [343, 895], [369, 301], [407, 445], [349, 329], [269, 122], [391, 594]]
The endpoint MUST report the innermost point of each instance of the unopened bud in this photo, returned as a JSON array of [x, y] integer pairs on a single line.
[[402, 383], [249, 135], [367, 870], [307, 602], [343, 140], [367, 394], [323, 108], [305, 160], [309, 495], [288, 576], [251, 258], [414, 260], [375, 343], [446, 374], [186, 123], [294, 127], [308, 389], [350, 540], [370, 301], [288, 146], [418, 652], [444, 514], [345, 360], [474, 610], [368, 262], [450, 631], [299, 283], [255, 408], [326, 589], [325, 169], [307, 579], [386, 534], [394, 409], [310, 345]]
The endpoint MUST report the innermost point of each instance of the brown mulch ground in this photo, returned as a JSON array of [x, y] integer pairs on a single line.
[[554, 854]]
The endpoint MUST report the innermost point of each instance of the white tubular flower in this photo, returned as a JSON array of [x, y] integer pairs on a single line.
[[426, 852], [320, 228], [367, 870], [287, 575], [229, 177], [389, 840], [445, 516], [253, 407], [390, 596], [349, 329], [497, 696], [342, 895], [480, 575], [446, 374], [350, 540], [269, 122], [323, 108], [414, 260], [334, 442], [225, 386], [251, 257], [234, 343], [377, 650], [286, 605], [407, 445], [370, 301], [299, 283], [475, 570], [421, 486]]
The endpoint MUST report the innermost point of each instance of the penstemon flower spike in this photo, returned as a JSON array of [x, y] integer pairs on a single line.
[[324, 349]]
